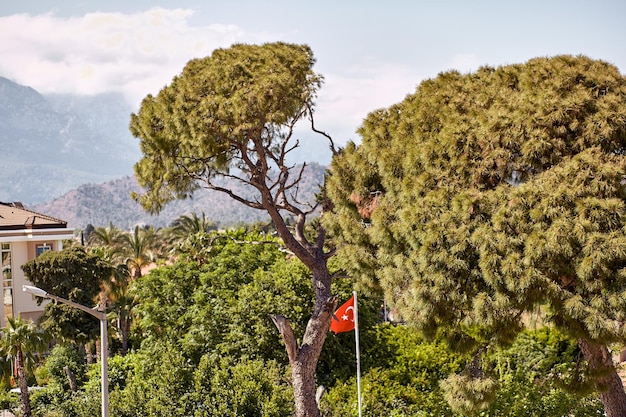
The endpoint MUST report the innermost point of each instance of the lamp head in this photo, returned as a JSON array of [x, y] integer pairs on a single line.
[[35, 291]]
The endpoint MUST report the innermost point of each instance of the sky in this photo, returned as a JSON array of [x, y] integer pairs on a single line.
[[371, 53]]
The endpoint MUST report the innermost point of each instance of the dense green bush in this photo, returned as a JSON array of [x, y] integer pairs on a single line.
[[64, 357], [532, 377], [227, 387], [401, 374], [542, 373]]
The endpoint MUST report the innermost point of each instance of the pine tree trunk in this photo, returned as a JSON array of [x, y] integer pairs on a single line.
[[21, 376], [304, 388], [303, 359], [610, 387]]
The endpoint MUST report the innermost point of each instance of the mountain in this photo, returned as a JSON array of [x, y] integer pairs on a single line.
[[72, 157], [110, 202], [52, 144]]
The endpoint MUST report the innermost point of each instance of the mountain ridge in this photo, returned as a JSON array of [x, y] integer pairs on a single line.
[[111, 202]]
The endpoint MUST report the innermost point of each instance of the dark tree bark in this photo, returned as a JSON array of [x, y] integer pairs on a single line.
[[609, 384], [125, 330], [23, 382], [89, 355], [303, 359]]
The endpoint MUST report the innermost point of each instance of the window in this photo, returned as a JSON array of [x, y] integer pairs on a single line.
[[43, 248], [7, 279]]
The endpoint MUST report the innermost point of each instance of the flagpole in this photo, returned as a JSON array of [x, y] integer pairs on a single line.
[[358, 353]]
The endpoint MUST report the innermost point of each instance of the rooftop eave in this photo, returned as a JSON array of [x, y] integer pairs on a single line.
[[27, 234]]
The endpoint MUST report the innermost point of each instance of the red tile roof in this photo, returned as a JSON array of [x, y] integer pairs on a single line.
[[13, 216]]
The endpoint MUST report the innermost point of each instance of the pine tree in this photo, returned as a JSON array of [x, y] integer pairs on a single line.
[[488, 195], [233, 115]]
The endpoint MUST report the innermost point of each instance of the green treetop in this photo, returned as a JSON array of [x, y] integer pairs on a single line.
[[77, 276], [483, 196]]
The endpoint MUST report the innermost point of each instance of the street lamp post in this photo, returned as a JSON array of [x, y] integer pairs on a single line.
[[100, 315]]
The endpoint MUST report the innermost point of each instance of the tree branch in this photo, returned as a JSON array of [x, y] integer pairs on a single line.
[[331, 143], [291, 344]]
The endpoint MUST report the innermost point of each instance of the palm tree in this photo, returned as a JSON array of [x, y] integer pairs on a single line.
[[115, 291], [122, 314], [188, 234], [186, 225], [109, 236], [139, 248], [20, 341]]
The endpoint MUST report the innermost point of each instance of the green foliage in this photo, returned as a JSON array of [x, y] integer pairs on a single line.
[[8, 401], [542, 372], [210, 349], [224, 304], [199, 125], [161, 381], [120, 370], [232, 115], [198, 302], [545, 355], [497, 192], [338, 358], [82, 404], [410, 377], [467, 395], [139, 248], [221, 308], [21, 343], [60, 357], [163, 297], [401, 374], [159, 384], [77, 276], [189, 224], [283, 288], [238, 388], [71, 274]]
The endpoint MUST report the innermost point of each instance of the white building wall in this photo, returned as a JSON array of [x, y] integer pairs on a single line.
[[24, 304], [23, 249]]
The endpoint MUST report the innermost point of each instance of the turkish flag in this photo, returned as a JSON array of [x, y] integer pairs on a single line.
[[343, 319]]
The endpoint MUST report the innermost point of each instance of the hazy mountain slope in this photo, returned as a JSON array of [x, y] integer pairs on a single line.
[[52, 145], [110, 202]]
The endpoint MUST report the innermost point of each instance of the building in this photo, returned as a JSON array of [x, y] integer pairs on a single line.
[[24, 235]]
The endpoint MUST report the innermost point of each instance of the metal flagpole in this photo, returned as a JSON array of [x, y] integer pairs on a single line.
[[358, 353]]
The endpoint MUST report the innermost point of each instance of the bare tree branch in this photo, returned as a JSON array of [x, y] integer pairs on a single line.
[[331, 143], [284, 327]]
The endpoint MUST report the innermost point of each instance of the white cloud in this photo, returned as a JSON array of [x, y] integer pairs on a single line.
[[139, 53], [349, 95], [135, 54]]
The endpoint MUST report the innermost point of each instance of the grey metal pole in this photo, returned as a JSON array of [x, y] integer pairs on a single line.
[[104, 361], [358, 352]]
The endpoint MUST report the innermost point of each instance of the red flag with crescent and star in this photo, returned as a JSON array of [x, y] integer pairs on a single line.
[[343, 319]]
